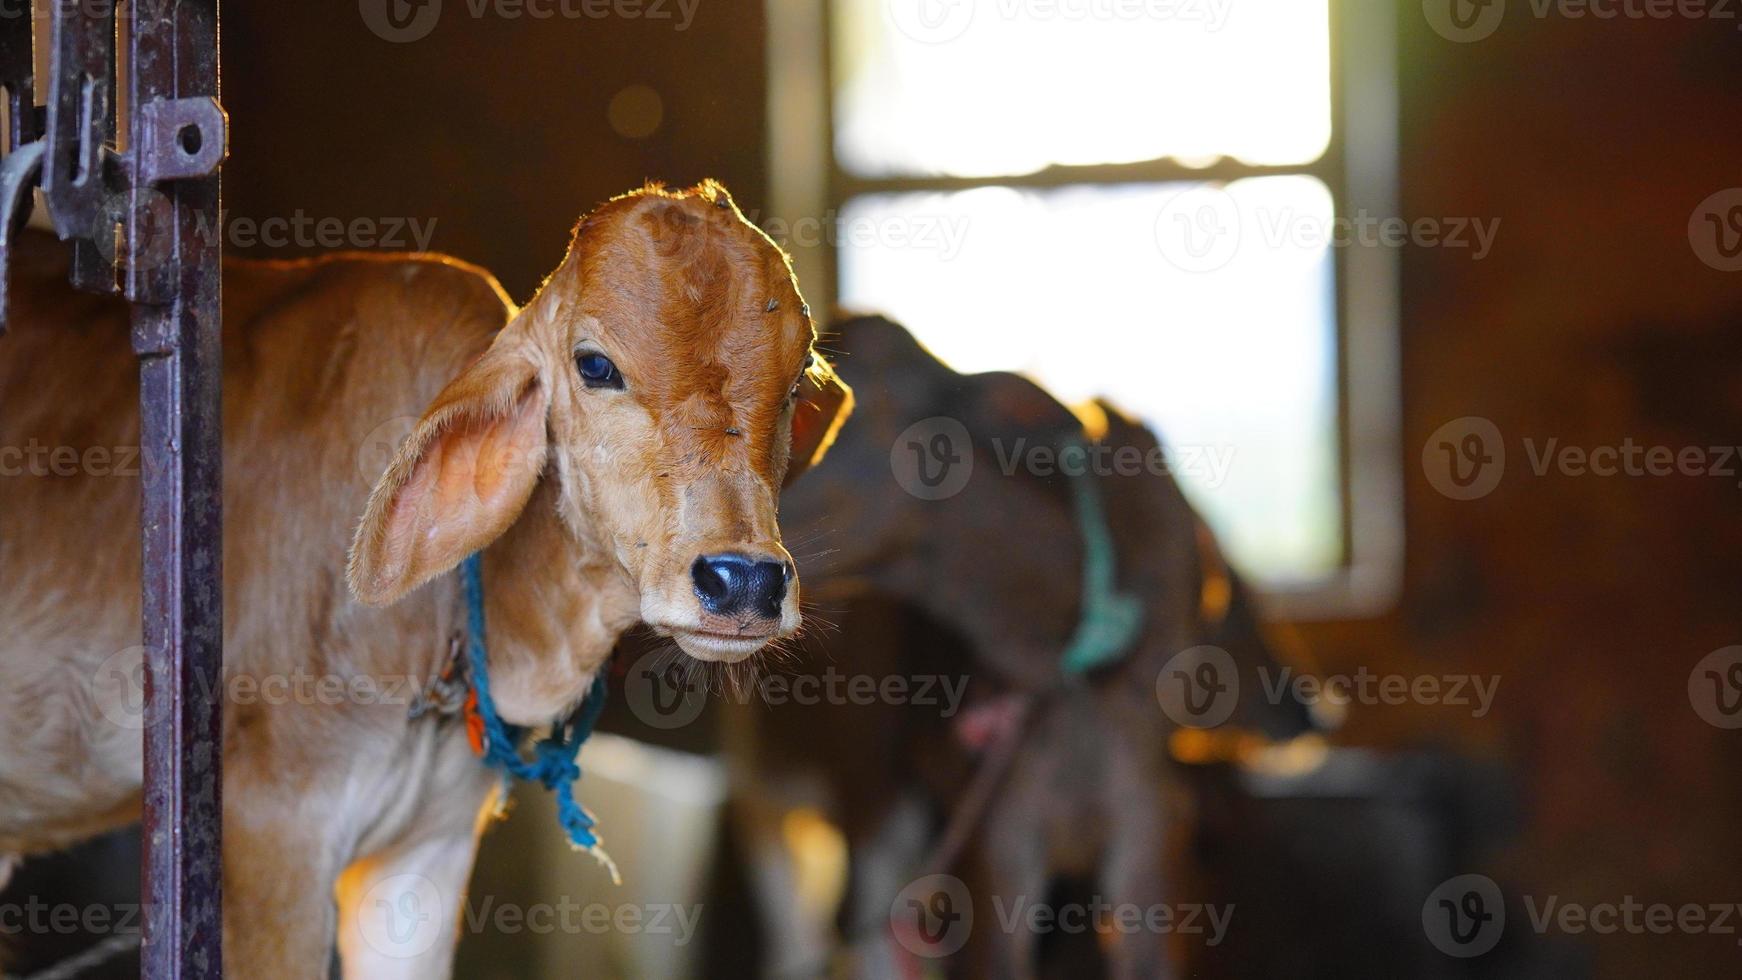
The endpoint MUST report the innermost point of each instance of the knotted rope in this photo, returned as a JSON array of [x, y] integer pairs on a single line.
[[553, 757]]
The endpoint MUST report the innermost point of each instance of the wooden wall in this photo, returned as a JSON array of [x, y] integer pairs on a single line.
[[1593, 321], [496, 128]]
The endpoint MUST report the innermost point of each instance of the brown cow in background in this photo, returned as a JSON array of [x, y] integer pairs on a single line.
[[986, 585]]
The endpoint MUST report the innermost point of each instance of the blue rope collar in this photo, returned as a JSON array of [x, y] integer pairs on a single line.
[[1110, 619], [553, 757]]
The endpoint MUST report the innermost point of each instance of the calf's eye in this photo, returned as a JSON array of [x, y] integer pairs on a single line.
[[597, 371]]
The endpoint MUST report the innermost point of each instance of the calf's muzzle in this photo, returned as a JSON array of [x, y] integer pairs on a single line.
[[738, 585]]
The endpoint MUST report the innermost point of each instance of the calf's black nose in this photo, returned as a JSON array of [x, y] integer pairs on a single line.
[[732, 584]]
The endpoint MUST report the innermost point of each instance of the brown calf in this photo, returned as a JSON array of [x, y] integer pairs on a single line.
[[983, 589], [614, 449]]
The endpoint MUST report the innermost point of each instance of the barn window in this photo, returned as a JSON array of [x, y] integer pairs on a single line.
[[1155, 200]]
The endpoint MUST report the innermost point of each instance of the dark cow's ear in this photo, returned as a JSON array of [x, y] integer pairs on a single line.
[[999, 404], [823, 404]]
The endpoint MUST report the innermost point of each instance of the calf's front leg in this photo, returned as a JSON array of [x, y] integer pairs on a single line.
[[280, 863], [402, 901], [400, 911]]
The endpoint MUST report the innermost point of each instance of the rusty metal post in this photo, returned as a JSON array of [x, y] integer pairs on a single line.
[[144, 221], [172, 269]]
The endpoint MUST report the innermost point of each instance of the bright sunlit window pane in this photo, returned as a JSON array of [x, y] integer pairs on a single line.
[[1209, 315], [986, 87]]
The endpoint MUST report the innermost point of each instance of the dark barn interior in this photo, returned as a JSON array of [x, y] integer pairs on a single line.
[[1590, 600]]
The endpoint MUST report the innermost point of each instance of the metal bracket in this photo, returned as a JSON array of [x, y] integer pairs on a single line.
[[79, 169], [184, 138], [176, 139]]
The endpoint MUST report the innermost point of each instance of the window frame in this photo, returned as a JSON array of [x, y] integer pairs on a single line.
[[1359, 166]]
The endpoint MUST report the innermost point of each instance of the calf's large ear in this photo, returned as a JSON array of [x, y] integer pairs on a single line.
[[461, 478], [824, 402]]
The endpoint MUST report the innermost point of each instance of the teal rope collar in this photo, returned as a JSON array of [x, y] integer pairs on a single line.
[[553, 760], [1110, 619]]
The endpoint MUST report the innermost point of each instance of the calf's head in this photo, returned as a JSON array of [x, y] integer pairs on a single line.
[[664, 378]]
